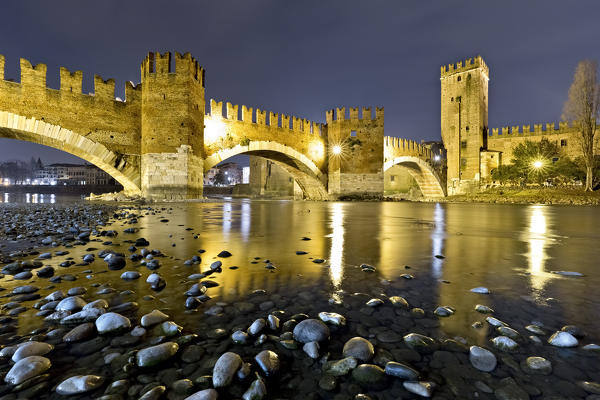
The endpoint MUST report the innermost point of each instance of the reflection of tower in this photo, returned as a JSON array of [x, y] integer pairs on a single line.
[[537, 240], [336, 258], [437, 239]]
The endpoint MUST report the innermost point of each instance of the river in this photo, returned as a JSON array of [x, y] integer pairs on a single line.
[[445, 248]]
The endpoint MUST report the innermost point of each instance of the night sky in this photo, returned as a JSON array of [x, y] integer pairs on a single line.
[[304, 57]]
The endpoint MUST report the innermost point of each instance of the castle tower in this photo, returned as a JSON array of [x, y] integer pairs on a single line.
[[172, 127], [355, 152], [464, 121]]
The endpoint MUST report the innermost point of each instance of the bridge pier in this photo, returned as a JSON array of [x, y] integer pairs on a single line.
[[172, 176]]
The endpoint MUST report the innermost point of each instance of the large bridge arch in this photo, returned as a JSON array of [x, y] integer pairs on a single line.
[[304, 171], [422, 172], [14, 126]]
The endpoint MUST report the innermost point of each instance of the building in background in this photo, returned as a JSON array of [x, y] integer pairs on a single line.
[[72, 175], [225, 174]]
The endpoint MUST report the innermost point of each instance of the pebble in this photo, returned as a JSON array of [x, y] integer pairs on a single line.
[[74, 303], [32, 348], [206, 394], [340, 367], [359, 348], [398, 301], [239, 337], [400, 370], [130, 275], [424, 389], [482, 359], [153, 318], [537, 365], [225, 368], [257, 326], [80, 332], [27, 368], [563, 339], [420, 343], [374, 302], [256, 391], [480, 290], [332, 318], [495, 322], [369, 375], [311, 349], [444, 311], [79, 384], [111, 323], [504, 343], [155, 355], [268, 361], [311, 330], [483, 309]]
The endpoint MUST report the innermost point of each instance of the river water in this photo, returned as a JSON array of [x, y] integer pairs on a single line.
[[446, 248]]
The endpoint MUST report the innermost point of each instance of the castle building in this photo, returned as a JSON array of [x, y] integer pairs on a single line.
[[473, 150]]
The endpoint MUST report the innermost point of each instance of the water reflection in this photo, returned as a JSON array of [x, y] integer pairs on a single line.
[[336, 257], [245, 220], [29, 198], [437, 239], [538, 238]]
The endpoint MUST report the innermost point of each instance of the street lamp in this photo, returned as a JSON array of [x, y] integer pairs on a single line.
[[537, 164], [337, 149]]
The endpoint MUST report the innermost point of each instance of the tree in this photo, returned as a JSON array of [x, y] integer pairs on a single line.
[[534, 161], [582, 109]]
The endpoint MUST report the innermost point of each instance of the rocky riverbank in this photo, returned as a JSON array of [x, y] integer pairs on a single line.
[[87, 339], [559, 196]]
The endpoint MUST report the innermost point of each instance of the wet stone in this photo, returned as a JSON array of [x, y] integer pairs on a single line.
[[369, 375], [27, 368], [563, 339], [536, 365], [225, 368], [256, 391], [328, 382], [340, 367], [482, 359], [268, 361], [79, 384], [155, 355], [400, 370], [311, 330], [424, 389], [32, 348], [420, 343], [112, 323], [359, 348]]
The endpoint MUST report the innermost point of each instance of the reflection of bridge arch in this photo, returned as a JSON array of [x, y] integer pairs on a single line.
[[422, 172], [13, 126], [303, 169]]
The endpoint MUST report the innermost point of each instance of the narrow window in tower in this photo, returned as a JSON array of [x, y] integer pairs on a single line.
[[353, 133], [463, 144], [463, 162], [563, 142], [452, 99], [467, 128], [458, 79], [392, 178]]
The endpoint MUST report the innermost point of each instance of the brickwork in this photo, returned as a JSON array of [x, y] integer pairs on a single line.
[[158, 142]]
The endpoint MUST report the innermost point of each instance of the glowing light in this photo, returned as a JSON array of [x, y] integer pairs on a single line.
[[214, 128], [337, 149], [436, 158], [316, 150], [537, 164]]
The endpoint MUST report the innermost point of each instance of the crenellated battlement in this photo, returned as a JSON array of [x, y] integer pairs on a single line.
[[466, 65], [549, 128], [339, 114], [34, 77], [276, 120], [396, 147], [156, 64]]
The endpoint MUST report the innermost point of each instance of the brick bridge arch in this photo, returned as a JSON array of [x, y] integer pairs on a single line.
[[426, 177], [14, 126], [304, 171]]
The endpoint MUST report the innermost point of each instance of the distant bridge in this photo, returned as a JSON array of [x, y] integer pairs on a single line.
[[158, 141]]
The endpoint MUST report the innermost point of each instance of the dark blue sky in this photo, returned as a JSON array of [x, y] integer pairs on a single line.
[[303, 57]]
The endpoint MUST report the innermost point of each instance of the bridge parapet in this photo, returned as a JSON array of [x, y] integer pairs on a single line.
[[398, 147], [227, 131], [99, 116]]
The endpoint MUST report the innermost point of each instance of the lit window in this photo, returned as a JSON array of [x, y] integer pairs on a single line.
[[353, 133]]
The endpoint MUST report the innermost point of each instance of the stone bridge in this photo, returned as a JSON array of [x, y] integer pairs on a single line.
[[159, 141]]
